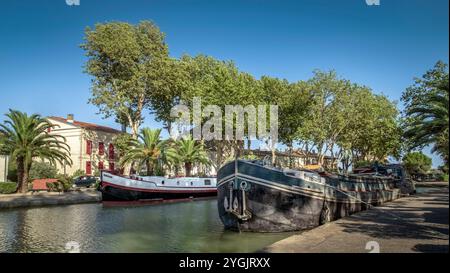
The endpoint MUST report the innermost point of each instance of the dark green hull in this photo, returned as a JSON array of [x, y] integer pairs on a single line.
[[269, 200]]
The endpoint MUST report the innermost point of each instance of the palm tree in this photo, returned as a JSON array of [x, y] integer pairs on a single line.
[[188, 152], [25, 138], [430, 122], [147, 150]]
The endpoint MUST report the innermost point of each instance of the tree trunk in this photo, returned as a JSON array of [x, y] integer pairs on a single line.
[[290, 149], [22, 176], [188, 168], [149, 168]]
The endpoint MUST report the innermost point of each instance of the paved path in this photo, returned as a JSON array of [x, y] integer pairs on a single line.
[[48, 198], [412, 224]]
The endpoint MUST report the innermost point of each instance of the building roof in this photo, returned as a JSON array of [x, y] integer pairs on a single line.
[[86, 125]]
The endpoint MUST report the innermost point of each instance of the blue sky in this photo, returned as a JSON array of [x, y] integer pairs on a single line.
[[384, 47]]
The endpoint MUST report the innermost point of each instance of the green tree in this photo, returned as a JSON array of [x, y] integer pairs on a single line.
[[329, 112], [146, 151], [219, 83], [127, 64], [25, 138], [426, 117], [417, 163], [187, 152], [373, 131]]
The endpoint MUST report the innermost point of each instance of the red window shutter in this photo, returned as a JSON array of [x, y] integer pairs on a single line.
[[88, 147], [111, 151], [101, 148], [111, 166], [100, 165], [88, 167]]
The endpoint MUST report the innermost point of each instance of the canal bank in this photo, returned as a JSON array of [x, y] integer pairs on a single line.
[[416, 223], [38, 199]]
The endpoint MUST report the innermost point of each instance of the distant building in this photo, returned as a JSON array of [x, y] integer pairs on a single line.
[[4, 168], [91, 145], [296, 159]]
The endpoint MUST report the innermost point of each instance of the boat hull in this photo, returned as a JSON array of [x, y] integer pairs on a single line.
[[121, 188], [278, 206], [114, 193]]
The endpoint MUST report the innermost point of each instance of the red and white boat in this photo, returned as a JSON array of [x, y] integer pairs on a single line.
[[140, 188]]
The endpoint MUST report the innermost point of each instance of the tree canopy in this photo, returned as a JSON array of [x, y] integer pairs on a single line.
[[426, 117]]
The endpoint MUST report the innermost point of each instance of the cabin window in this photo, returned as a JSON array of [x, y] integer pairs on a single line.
[[207, 182], [162, 182], [178, 182], [192, 183]]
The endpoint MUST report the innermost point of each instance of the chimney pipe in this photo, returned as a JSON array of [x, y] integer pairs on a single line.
[[70, 118]]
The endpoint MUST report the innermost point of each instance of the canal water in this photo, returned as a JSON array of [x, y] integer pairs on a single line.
[[177, 227]]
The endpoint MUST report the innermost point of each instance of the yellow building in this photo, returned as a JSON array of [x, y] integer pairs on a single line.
[[91, 145]]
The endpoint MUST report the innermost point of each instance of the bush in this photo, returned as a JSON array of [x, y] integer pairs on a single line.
[[64, 184], [444, 177], [42, 170], [78, 173], [8, 187]]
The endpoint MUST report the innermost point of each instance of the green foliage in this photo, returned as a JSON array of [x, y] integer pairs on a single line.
[[417, 163], [146, 151], [444, 177], [12, 171], [426, 115], [40, 170], [187, 152], [26, 138], [63, 184], [326, 113], [78, 173], [123, 143], [130, 67], [362, 163], [8, 187]]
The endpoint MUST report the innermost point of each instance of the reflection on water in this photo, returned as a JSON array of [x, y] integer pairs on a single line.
[[179, 227]]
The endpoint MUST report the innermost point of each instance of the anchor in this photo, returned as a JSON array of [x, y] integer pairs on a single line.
[[231, 203]]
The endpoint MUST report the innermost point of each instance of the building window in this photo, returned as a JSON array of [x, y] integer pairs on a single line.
[[100, 165], [111, 151], [111, 166], [101, 148], [88, 167], [88, 147]]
